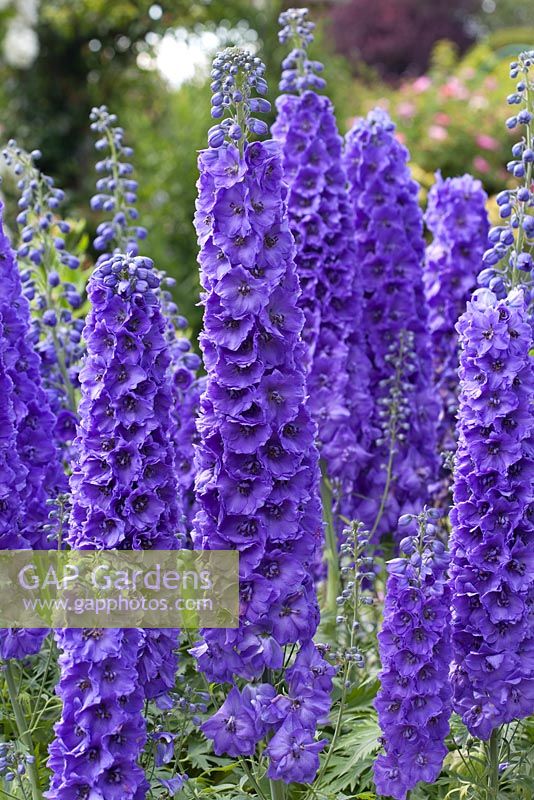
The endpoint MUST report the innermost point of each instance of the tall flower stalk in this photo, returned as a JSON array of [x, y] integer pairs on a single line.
[[124, 497], [402, 460], [31, 476], [117, 197], [414, 701], [257, 482], [493, 531], [457, 218], [322, 223], [46, 267]]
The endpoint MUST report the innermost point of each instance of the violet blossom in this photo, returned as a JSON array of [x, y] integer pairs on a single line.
[[322, 222], [32, 475], [491, 545], [414, 701], [124, 497], [458, 221], [492, 537], [117, 196], [257, 482], [402, 460]]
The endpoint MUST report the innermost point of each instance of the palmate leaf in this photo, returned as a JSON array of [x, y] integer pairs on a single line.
[[353, 755]]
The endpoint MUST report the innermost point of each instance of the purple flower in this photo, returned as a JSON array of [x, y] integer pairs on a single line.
[[457, 218], [125, 495], [294, 753], [257, 467], [31, 472], [55, 333], [233, 727], [414, 701], [322, 222], [492, 522], [390, 251]]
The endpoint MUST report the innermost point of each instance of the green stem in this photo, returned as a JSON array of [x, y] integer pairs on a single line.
[[250, 775], [493, 765], [278, 790], [333, 585], [23, 731]]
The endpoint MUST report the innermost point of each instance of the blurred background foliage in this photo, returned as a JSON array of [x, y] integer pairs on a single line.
[[441, 70]]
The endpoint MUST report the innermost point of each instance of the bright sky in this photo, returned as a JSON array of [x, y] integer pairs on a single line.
[[180, 54]]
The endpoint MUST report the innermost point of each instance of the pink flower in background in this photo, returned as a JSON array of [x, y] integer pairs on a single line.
[[438, 133], [454, 88], [400, 137], [490, 82], [487, 142], [481, 165], [478, 101], [442, 119], [406, 109], [421, 84]]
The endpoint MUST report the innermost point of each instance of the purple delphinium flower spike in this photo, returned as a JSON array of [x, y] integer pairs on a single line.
[[34, 421], [257, 483], [117, 196], [414, 701], [390, 249], [187, 387], [125, 496], [46, 267], [32, 474], [458, 221], [493, 532], [492, 520], [322, 222]]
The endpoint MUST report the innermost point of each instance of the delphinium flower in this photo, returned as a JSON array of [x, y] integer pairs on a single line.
[[390, 250], [45, 266], [117, 195], [457, 219], [493, 532], [257, 464], [34, 421], [32, 476], [322, 222], [186, 386], [124, 497], [414, 701]]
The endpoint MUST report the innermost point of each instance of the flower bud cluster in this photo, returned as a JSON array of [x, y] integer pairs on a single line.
[[13, 762], [298, 71], [414, 701], [390, 251], [512, 243], [493, 528], [358, 575], [117, 189], [457, 219], [236, 75], [45, 264]]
